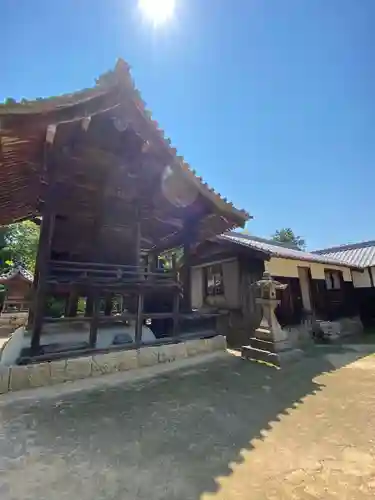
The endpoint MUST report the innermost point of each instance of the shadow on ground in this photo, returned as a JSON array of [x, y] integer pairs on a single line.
[[167, 438]]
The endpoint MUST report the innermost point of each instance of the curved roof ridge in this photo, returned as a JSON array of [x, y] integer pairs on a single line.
[[13, 271], [117, 81]]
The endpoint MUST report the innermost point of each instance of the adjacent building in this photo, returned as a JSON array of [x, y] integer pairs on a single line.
[[17, 282], [361, 255], [225, 268]]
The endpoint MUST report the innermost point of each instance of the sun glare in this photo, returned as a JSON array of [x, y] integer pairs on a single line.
[[157, 11]]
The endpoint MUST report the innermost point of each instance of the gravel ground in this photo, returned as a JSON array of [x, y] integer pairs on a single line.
[[226, 429]]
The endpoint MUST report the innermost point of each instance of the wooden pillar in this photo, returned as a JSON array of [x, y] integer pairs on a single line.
[[190, 233], [186, 278], [176, 300], [89, 307], [94, 321], [147, 264], [108, 305], [137, 243], [121, 303], [153, 261], [42, 266], [71, 304], [176, 313], [45, 239], [139, 319], [174, 266], [34, 286]]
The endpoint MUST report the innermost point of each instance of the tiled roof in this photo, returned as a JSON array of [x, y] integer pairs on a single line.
[[274, 249], [113, 85], [12, 273], [357, 254]]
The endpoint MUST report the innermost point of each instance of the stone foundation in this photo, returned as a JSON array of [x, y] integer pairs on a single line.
[[301, 335], [15, 378], [342, 327], [277, 354], [9, 322]]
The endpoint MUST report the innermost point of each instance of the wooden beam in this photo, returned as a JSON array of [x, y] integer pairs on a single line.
[[178, 223], [36, 221], [189, 233]]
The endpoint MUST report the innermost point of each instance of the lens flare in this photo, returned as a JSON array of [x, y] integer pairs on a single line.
[[157, 11]]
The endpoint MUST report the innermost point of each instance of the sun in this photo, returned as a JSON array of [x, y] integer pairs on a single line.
[[157, 11]]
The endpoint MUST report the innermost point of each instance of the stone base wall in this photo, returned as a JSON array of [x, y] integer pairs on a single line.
[[351, 326], [301, 335], [15, 378], [236, 328], [342, 327], [9, 322]]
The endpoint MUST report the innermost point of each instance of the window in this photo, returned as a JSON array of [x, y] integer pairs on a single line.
[[214, 281], [333, 280]]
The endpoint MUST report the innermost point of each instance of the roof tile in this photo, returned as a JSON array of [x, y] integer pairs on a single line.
[[17, 270], [357, 254], [274, 249]]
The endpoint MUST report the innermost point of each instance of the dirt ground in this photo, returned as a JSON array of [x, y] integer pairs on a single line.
[[229, 430]]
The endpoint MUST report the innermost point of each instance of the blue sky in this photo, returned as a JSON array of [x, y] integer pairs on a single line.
[[271, 101]]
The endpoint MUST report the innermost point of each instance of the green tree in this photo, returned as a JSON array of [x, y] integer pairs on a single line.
[[286, 235], [9, 101], [20, 242], [5, 255], [166, 257]]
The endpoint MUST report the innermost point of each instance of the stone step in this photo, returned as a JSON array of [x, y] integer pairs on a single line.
[[249, 352], [277, 359], [264, 345]]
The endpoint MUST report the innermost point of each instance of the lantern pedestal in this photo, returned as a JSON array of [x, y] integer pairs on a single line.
[[271, 343]]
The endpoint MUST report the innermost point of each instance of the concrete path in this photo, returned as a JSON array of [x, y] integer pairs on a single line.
[[228, 430]]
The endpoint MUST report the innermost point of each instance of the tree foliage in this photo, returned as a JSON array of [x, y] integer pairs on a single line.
[[166, 257], [5, 256], [287, 236], [9, 101], [19, 245]]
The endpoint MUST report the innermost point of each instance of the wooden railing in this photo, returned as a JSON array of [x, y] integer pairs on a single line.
[[97, 279], [66, 272]]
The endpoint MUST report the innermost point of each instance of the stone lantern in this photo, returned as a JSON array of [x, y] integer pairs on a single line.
[[271, 342]]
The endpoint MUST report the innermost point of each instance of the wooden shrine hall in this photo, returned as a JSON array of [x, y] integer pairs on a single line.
[[17, 282], [110, 195]]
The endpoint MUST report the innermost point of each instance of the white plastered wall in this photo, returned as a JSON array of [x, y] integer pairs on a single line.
[[277, 266]]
